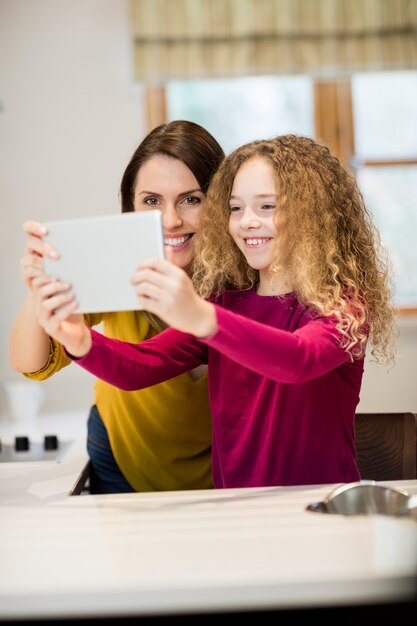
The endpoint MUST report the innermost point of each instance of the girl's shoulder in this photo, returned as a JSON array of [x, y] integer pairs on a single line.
[[230, 296]]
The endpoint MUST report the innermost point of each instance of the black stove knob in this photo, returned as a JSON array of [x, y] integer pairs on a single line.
[[50, 442], [21, 444]]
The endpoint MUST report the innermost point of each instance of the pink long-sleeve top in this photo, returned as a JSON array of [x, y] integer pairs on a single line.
[[283, 393]]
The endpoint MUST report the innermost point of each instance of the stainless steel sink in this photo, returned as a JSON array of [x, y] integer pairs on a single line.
[[367, 498]]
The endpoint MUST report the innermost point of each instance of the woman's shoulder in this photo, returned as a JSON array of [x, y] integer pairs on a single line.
[[131, 326]]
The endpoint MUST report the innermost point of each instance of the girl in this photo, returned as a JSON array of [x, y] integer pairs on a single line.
[[291, 284], [159, 438]]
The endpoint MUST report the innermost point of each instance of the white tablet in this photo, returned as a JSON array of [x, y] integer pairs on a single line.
[[100, 254]]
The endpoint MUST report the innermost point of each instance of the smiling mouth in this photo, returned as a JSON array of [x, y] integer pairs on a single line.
[[177, 242], [256, 242]]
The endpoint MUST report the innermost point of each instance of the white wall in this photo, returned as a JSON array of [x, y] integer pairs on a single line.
[[394, 389], [70, 118]]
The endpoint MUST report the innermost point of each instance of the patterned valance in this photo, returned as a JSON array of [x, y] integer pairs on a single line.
[[181, 39]]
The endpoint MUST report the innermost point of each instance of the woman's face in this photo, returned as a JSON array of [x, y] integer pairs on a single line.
[[167, 184]]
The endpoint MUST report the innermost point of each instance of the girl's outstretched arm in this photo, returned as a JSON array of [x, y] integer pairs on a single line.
[[167, 291], [126, 365]]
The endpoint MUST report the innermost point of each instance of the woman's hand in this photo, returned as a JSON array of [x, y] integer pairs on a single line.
[[167, 291], [31, 264], [55, 306], [28, 342]]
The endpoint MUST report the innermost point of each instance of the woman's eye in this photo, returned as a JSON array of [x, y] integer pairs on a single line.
[[233, 209], [151, 201], [193, 200], [268, 207]]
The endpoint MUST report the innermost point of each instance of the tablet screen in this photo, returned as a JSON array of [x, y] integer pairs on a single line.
[[99, 255]]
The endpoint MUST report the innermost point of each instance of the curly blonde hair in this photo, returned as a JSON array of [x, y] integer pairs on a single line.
[[330, 247]]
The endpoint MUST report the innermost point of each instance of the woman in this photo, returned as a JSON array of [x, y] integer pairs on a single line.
[[148, 440]]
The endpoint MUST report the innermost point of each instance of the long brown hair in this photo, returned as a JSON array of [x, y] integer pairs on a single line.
[[331, 249], [183, 140]]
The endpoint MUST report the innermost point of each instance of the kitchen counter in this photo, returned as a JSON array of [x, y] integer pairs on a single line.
[[44, 481], [189, 552]]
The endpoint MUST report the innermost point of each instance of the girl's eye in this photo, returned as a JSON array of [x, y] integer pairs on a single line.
[[233, 209], [268, 207]]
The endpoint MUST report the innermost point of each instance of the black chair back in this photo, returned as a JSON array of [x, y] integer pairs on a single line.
[[386, 445]]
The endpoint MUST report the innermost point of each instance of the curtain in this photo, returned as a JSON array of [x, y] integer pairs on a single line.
[[184, 39]]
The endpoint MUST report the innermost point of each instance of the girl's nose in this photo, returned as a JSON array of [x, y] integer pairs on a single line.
[[249, 220], [170, 217]]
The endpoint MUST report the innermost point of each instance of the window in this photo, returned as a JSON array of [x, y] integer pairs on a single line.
[[368, 121], [385, 130], [239, 110]]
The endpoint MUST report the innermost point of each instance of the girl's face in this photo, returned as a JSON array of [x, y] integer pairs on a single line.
[[253, 221], [167, 184], [252, 212]]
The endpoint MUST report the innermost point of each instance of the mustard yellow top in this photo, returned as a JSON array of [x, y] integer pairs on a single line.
[[160, 436]]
